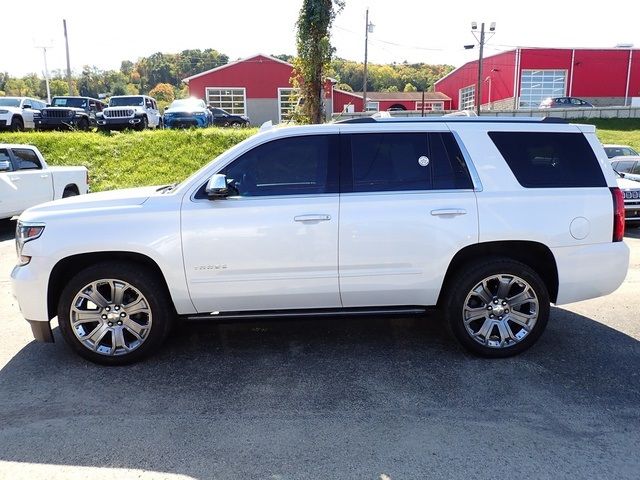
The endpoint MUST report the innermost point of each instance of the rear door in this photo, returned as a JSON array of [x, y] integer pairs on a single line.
[[407, 207], [8, 188]]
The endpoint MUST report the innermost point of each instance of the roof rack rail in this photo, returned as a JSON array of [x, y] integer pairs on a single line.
[[455, 119]]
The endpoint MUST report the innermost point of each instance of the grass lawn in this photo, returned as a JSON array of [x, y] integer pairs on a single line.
[[130, 159]]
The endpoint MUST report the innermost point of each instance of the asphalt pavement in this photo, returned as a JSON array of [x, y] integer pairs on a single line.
[[369, 398]]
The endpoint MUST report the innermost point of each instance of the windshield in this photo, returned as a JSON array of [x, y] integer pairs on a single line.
[[69, 102], [126, 102], [619, 151], [9, 102], [187, 103]]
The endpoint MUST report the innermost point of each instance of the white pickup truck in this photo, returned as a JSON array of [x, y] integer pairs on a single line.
[[26, 179]]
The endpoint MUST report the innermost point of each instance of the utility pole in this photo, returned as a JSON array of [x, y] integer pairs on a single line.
[[46, 70], [368, 28], [66, 44], [481, 41]]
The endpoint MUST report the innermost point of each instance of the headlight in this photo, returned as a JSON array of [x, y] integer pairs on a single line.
[[3, 111], [71, 113], [25, 232]]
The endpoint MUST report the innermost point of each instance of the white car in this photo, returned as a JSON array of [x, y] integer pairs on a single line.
[[490, 220], [17, 113], [129, 112], [26, 179], [613, 150], [631, 191]]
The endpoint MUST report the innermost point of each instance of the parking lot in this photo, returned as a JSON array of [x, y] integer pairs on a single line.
[[331, 399]]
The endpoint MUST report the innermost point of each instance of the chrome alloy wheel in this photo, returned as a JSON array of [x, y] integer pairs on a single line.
[[110, 317], [500, 311]]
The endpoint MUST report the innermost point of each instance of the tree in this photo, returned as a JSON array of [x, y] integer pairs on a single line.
[[314, 54], [410, 87], [162, 92], [345, 87], [58, 87]]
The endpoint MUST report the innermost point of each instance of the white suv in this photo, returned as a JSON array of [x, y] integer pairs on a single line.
[[490, 220], [129, 111], [17, 113]]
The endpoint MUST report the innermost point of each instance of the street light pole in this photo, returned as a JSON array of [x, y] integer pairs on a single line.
[[368, 28], [46, 72], [479, 87], [66, 44], [481, 41]]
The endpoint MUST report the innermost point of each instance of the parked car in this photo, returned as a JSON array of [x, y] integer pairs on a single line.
[[26, 179], [17, 113], [564, 102], [187, 112], [629, 165], [631, 192], [488, 219], [222, 118], [619, 151], [69, 113], [129, 111]]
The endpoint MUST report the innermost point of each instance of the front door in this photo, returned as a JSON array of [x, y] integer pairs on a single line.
[[411, 207], [273, 243], [33, 185]]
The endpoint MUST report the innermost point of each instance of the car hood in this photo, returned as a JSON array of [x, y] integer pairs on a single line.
[[628, 184], [12, 109], [130, 197], [186, 111]]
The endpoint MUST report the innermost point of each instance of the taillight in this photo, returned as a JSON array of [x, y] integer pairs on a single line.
[[618, 214]]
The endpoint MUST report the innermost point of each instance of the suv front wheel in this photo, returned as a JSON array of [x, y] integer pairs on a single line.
[[114, 313], [497, 307]]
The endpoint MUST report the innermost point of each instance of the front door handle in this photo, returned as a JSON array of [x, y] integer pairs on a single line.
[[312, 218], [44, 175], [451, 212]]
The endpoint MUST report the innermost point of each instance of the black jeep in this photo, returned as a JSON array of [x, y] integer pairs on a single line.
[[69, 113]]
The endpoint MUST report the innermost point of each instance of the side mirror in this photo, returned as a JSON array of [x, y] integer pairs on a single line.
[[5, 165], [26, 105], [217, 187]]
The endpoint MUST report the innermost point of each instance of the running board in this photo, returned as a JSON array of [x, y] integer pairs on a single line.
[[326, 312]]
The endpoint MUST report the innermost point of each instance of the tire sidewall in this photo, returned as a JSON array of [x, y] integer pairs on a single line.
[[137, 276], [471, 276]]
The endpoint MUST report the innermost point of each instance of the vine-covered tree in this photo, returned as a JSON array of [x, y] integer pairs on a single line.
[[314, 54]]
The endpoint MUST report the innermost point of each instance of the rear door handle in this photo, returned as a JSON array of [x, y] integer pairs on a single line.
[[44, 175], [449, 212], [312, 218]]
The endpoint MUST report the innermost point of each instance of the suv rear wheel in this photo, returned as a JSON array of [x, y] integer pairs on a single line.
[[114, 313], [497, 307]]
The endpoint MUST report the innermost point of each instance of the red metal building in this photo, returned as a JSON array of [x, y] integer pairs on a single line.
[[380, 101], [522, 78], [257, 86]]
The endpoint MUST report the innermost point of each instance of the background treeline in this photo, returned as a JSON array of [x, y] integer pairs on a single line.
[[161, 75]]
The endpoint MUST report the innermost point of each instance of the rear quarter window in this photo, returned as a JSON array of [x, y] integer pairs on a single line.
[[549, 160]]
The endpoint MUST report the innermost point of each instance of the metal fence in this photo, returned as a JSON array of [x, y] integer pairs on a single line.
[[586, 113]]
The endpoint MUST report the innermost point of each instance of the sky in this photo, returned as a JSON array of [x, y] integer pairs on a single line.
[[105, 33]]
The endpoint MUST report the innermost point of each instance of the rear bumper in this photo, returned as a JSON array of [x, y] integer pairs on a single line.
[[590, 271]]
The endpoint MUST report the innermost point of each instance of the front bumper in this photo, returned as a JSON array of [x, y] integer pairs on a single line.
[[118, 123], [185, 122], [632, 211], [29, 284], [55, 123]]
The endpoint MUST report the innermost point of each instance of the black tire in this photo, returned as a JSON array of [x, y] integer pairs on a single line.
[[17, 125], [83, 125], [469, 277], [144, 123], [69, 192], [139, 277], [236, 124]]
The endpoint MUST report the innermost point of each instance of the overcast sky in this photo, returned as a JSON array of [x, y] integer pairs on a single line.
[[105, 33]]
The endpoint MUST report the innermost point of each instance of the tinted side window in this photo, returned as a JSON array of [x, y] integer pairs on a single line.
[[622, 166], [289, 166], [407, 161], [5, 159], [636, 169], [389, 162], [547, 160], [449, 168], [27, 159]]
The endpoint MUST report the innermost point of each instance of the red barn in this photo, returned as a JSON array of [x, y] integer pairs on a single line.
[[258, 87], [522, 78]]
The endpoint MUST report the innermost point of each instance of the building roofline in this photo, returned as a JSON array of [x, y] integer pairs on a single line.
[[230, 64]]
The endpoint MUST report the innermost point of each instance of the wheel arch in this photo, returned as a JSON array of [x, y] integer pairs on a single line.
[[534, 254], [67, 267], [71, 186]]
